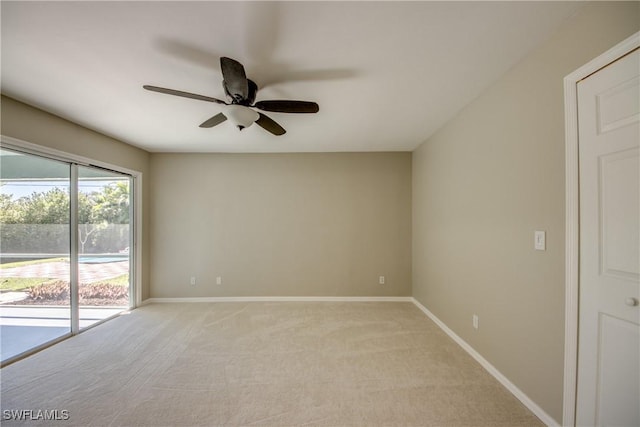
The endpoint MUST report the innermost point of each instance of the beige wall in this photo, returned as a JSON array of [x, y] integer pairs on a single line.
[[483, 184], [330, 224], [38, 127], [281, 224]]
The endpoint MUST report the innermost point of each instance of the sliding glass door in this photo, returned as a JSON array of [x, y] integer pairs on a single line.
[[34, 251], [65, 249], [104, 243]]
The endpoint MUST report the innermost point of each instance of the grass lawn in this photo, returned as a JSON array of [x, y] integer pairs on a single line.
[[120, 280], [21, 283]]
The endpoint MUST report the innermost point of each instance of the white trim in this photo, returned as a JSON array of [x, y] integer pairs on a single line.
[[74, 273], [137, 241], [278, 299], [519, 394], [11, 142], [572, 231]]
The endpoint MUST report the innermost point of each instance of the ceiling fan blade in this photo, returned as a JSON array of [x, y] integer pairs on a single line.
[[235, 78], [214, 121], [253, 90], [270, 125], [183, 94], [285, 106]]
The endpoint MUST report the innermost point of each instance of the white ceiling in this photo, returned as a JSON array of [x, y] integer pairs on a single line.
[[386, 75]]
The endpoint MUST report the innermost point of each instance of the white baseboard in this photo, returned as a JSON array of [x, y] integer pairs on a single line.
[[278, 299], [519, 394]]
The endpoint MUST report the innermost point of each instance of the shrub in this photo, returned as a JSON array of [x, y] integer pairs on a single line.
[[56, 291], [103, 291], [59, 291]]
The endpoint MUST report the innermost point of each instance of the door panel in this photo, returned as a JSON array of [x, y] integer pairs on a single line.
[[34, 252], [618, 106], [618, 208], [104, 235], [618, 347], [609, 132]]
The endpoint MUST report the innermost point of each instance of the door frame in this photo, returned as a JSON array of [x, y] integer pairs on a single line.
[[572, 217], [135, 299]]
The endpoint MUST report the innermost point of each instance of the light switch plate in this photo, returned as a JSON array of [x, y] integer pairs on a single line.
[[540, 241]]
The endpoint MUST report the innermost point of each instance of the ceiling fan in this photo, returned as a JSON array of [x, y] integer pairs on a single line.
[[241, 94]]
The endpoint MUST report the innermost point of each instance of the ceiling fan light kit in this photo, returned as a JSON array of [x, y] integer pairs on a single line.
[[241, 93], [241, 116]]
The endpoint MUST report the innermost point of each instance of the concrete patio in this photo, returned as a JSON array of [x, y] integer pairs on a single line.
[[23, 327]]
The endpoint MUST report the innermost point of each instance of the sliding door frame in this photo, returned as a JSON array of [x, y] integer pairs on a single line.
[[74, 276], [135, 232]]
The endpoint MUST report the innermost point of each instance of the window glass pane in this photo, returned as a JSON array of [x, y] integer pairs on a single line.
[[34, 251], [104, 243]]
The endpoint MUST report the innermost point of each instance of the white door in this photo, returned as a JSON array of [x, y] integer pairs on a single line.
[[609, 331]]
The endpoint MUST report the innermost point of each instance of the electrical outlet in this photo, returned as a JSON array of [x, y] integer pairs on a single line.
[[219, 280], [193, 280], [475, 321], [381, 280]]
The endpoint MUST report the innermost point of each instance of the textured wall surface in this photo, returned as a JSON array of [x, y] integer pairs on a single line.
[[481, 187], [281, 224], [35, 126]]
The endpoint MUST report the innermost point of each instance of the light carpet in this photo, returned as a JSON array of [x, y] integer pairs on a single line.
[[262, 363]]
